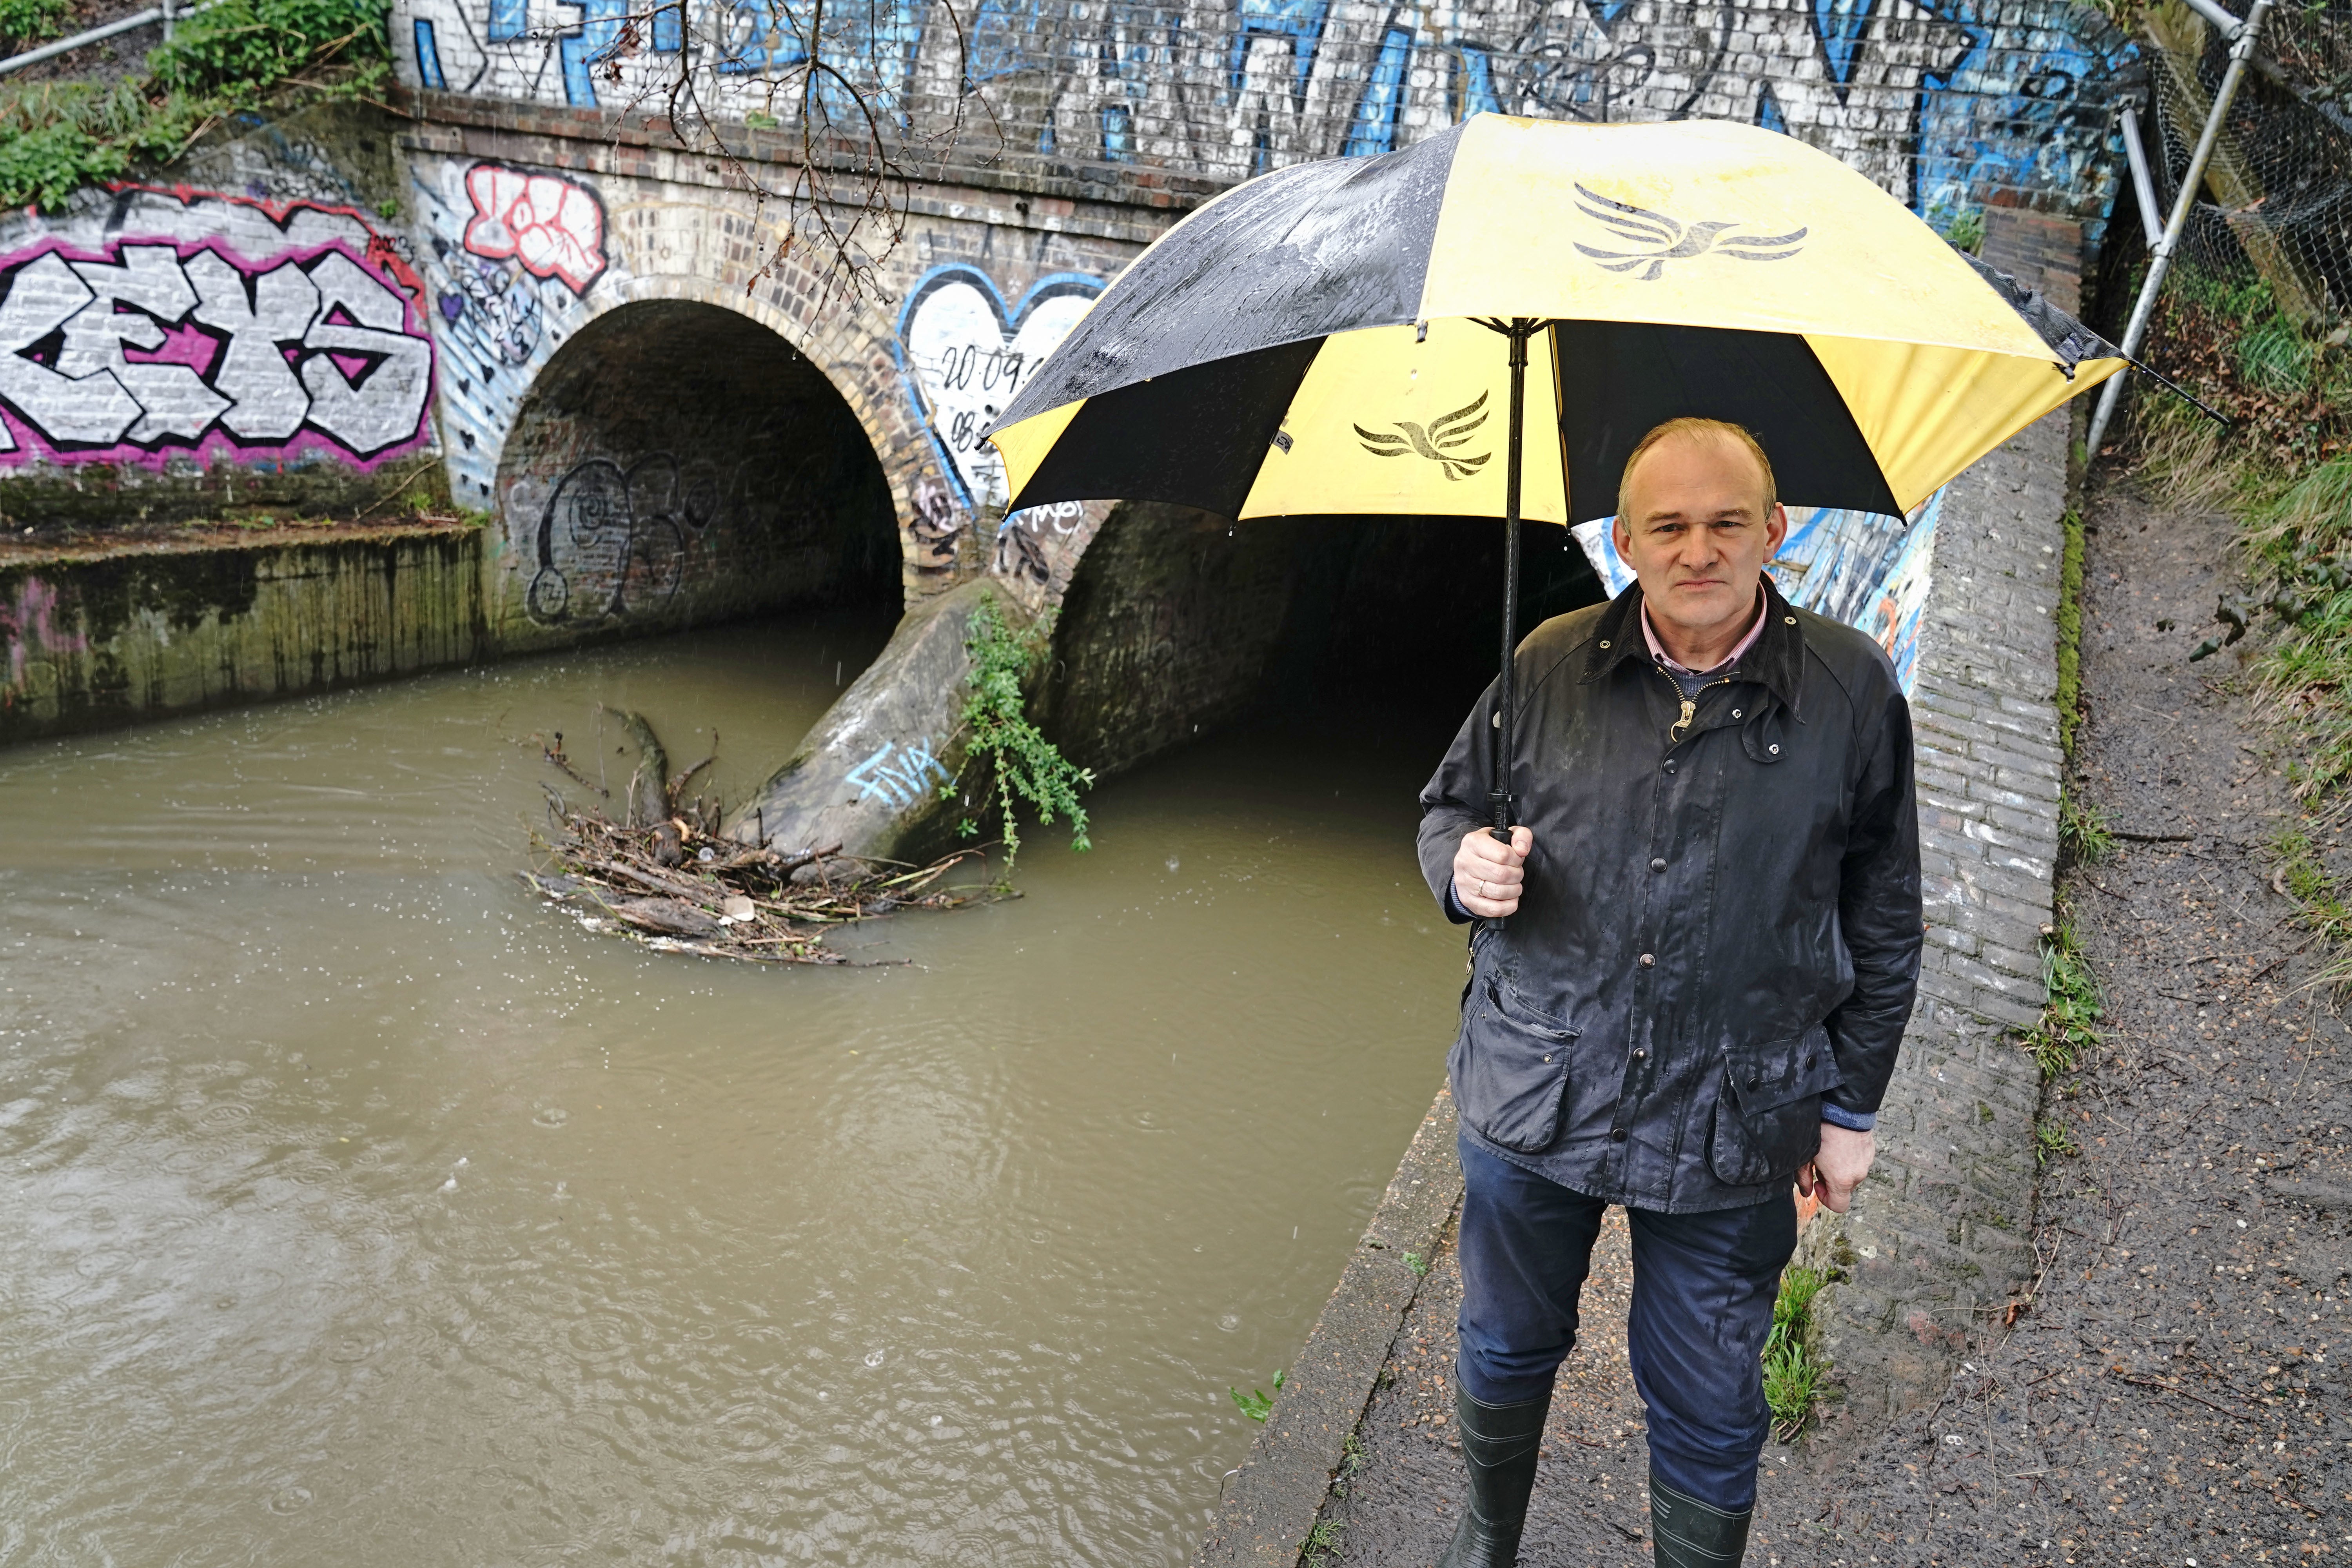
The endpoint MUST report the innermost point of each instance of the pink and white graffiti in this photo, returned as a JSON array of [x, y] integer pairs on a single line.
[[553, 228], [148, 350]]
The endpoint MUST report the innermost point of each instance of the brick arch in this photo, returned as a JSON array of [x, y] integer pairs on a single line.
[[676, 459], [854, 346]]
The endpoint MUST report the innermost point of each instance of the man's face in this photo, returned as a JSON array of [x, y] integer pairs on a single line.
[[1696, 533]]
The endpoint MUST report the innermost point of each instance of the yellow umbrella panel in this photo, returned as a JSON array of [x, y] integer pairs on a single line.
[[1311, 340]]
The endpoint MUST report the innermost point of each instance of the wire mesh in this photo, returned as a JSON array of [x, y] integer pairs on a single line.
[[2264, 273]]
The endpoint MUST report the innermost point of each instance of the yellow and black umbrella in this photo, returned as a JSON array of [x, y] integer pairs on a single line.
[[1356, 335]]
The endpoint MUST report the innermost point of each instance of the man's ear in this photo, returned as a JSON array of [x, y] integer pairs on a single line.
[[1776, 529], [1623, 538]]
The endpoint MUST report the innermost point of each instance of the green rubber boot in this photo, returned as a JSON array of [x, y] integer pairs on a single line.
[[1687, 1533], [1499, 1445]]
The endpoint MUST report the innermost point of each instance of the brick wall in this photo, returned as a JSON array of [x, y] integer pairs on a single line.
[[1942, 1230]]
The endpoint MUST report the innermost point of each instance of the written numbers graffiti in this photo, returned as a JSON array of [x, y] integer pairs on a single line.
[[965, 354]]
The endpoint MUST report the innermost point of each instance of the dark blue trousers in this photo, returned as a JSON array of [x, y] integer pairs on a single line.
[[1703, 1286]]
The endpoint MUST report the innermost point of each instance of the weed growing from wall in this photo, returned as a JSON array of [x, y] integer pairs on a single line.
[[2064, 1034], [1023, 763], [238, 57], [1795, 1377], [1257, 1404]]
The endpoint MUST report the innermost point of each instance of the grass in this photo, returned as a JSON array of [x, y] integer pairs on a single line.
[[26, 23], [1322, 1543], [2083, 830], [2070, 632], [240, 57], [2063, 1033], [2052, 1141], [1795, 1377]]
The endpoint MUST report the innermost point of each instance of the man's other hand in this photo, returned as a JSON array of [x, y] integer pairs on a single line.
[[1838, 1169], [1488, 873]]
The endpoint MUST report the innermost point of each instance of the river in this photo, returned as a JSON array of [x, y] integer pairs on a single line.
[[360, 1209]]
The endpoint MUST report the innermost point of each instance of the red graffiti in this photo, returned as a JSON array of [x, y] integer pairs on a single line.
[[555, 228]]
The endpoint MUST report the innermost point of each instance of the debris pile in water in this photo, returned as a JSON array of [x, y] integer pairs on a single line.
[[665, 878]]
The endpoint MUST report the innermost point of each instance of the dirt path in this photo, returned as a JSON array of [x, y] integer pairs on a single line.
[[2176, 1392]]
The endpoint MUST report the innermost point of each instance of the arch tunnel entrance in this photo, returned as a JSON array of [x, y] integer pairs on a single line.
[[1178, 624], [679, 464]]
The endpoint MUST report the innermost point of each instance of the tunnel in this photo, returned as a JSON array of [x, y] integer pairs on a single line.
[[1179, 624], [677, 464]]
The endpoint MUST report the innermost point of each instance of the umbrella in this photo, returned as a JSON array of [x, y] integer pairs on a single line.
[[1354, 336]]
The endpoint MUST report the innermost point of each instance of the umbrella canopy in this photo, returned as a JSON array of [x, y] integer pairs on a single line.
[[1315, 341]]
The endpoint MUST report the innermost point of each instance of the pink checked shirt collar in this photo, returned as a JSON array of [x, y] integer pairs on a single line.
[[1754, 630]]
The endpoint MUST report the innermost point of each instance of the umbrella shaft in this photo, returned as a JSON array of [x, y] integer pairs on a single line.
[[1500, 799]]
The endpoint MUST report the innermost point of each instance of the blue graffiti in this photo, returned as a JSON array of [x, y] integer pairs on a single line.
[[1476, 82], [2024, 109], [429, 58], [510, 19], [1300, 21], [1375, 126], [1000, 36], [1842, 25], [1768, 111]]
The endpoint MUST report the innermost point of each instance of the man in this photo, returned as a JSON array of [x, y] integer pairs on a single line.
[[1700, 952]]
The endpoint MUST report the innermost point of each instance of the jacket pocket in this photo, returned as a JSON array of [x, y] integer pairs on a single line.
[[1767, 1118], [1510, 1066]]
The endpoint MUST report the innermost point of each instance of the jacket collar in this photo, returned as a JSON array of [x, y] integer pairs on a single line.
[[1777, 659]]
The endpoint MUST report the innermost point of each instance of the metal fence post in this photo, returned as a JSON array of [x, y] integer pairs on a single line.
[[2160, 256]]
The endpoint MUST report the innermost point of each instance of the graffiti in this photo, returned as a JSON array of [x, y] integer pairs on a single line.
[[1871, 571], [31, 626], [900, 773], [1940, 101], [148, 350], [612, 541], [936, 526], [510, 266], [553, 228], [965, 355]]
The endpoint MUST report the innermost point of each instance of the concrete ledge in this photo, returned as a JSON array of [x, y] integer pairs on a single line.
[[1272, 1502]]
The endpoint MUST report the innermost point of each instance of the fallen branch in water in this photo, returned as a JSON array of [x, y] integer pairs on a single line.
[[671, 882]]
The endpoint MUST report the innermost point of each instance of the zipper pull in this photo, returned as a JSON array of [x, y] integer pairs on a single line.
[[1690, 710]]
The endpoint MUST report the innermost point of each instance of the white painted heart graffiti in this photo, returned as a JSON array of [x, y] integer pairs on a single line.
[[965, 356]]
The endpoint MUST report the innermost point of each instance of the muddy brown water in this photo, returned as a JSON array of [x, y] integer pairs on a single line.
[[355, 1207]]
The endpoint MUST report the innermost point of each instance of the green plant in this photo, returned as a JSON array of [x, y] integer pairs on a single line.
[[239, 57], [1795, 1377], [2070, 632], [1021, 762], [1322, 1542], [1258, 1404], [1418, 1264], [24, 22], [2052, 1141], [2064, 1031], [2083, 830]]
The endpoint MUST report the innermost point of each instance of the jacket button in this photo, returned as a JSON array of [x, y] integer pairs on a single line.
[[1649, 960], [1735, 712], [1657, 864], [1808, 1061], [1547, 1058], [1640, 1055], [1616, 1135], [1670, 764], [1754, 1082]]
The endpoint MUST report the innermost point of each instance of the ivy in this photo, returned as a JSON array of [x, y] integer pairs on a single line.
[[1023, 763], [238, 57], [26, 23]]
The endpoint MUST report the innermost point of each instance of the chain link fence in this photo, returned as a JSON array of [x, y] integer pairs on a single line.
[[2253, 315]]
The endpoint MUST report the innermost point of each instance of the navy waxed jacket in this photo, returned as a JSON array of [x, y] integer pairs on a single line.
[[1720, 928]]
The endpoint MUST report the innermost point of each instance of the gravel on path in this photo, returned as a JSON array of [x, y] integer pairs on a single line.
[[2178, 1388]]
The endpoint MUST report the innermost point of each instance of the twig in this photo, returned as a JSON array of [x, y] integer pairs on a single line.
[[2185, 1394]]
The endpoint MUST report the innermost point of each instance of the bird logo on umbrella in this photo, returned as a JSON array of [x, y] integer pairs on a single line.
[[1435, 442], [1671, 241]]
